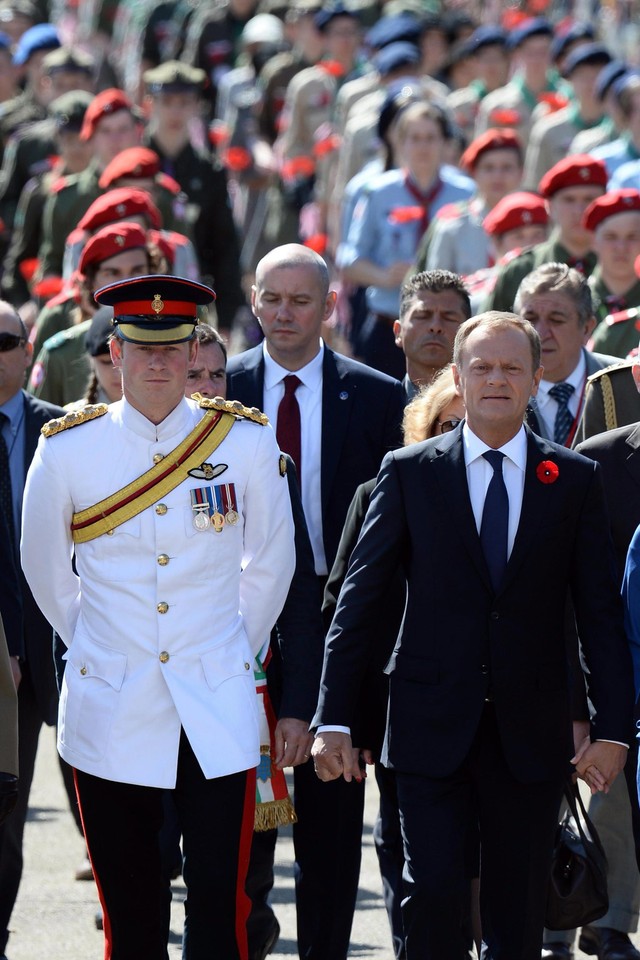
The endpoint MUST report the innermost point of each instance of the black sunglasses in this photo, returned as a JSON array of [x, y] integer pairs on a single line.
[[9, 341], [446, 426]]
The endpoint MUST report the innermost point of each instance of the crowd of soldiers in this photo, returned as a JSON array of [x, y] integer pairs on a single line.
[[395, 139]]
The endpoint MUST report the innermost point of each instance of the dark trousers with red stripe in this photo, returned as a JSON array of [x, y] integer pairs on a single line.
[[122, 824]]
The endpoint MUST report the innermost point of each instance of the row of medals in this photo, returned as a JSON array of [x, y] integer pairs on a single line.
[[202, 520]]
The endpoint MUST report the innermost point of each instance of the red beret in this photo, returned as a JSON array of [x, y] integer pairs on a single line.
[[121, 203], [576, 170], [103, 105], [516, 210], [110, 241], [135, 162], [492, 139], [608, 205]]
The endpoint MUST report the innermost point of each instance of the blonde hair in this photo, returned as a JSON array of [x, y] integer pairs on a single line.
[[421, 415]]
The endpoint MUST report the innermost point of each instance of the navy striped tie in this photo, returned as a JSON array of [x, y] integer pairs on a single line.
[[561, 393]]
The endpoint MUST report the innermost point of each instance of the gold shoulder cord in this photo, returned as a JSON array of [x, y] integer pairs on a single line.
[[73, 419], [609, 403]]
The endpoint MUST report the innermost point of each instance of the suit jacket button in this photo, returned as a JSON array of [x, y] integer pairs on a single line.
[[163, 559], [162, 607], [161, 509], [164, 657], [484, 668], [157, 457], [495, 615]]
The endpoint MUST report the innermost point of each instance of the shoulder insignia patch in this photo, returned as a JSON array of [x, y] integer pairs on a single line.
[[231, 406], [74, 419], [624, 365]]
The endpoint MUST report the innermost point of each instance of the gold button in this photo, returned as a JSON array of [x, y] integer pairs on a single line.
[[163, 559], [161, 509], [162, 607], [109, 533], [83, 671], [164, 656], [247, 666], [157, 457]]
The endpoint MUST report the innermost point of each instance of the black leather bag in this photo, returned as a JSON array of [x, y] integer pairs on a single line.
[[577, 892]]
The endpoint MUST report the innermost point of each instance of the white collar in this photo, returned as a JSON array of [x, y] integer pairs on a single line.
[[515, 449], [310, 375]]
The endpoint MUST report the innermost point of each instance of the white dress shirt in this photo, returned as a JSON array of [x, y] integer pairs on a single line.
[[309, 397], [548, 407]]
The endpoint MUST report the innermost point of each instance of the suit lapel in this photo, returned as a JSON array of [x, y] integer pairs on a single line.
[[451, 472], [32, 424], [535, 503], [248, 380], [338, 397]]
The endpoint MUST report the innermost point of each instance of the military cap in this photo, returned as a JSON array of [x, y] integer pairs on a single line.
[[534, 27], [518, 209], [608, 76], [563, 40], [610, 205], [121, 203], [156, 309], [263, 28], [65, 60], [174, 77], [576, 170], [109, 242], [395, 56], [487, 36], [388, 30], [96, 339], [104, 104], [327, 15], [586, 55], [492, 139], [630, 77], [43, 36], [395, 103], [138, 163], [69, 109]]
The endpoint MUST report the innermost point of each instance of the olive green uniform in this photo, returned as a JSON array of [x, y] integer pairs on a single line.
[[620, 336], [550, 142], [611, 400], [62, 369], [512, 275]]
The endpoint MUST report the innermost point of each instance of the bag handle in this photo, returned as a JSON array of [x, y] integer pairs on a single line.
[[578, 811]]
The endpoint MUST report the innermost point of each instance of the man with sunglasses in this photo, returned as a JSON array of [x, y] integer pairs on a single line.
[[433, 304], [21, 417]]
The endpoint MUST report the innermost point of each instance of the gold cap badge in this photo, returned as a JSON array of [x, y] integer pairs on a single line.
[[157, 304]]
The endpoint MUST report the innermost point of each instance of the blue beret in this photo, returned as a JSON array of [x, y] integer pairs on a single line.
[[393, 30], [43, 36], [324, 17], [394, 56], [608, 76], [536, 27], [618, 86], [487, 37], [587, 54], [578, 31]]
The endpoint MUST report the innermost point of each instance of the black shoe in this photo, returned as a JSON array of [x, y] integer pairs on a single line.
[[607, 944], [269, 944], [556, 951]]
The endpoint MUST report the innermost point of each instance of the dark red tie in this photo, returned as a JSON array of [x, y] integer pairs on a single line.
[[288, 426]]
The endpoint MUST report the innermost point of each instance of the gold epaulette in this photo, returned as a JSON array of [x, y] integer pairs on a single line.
[[612, 368], [231, 406], [74, 418]]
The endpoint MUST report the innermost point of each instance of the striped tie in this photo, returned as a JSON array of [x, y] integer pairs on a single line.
[[561, 392]]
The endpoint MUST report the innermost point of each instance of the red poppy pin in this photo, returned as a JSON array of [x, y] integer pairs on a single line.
[[547, 471]]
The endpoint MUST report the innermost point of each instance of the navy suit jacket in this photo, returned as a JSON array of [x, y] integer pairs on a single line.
[[38, 634], [361, 421], [460, 641]]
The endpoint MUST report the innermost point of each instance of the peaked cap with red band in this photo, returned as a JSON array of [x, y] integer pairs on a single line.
[[609, 205], [576, 170], [157, 309]]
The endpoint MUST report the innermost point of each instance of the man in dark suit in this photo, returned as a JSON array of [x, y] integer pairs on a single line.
[[557, 301], [348, 417], [21, 417], [479, 723]]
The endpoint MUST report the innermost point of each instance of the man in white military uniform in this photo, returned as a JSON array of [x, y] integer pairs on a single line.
[[181, 524]]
